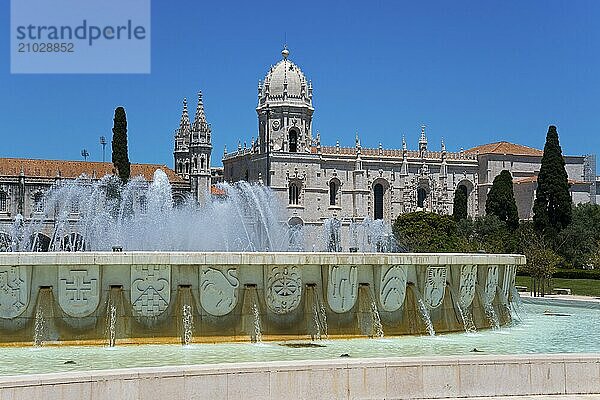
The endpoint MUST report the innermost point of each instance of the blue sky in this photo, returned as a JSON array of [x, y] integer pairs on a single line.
[[472, 71]]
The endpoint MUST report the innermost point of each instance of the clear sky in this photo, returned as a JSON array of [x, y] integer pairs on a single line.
[[472, 71]]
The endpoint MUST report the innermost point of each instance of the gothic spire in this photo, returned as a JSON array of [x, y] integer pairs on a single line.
[[423, 138], [200, 125], [184, 123]]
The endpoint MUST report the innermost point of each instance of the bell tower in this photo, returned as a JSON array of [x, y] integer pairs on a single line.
[[285, 109], [193, 148]]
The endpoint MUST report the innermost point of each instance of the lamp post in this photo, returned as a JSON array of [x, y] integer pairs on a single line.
[[103, 143], [85, 154]]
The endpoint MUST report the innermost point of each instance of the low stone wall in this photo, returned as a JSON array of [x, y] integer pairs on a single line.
[[139, 297], [395, 378]]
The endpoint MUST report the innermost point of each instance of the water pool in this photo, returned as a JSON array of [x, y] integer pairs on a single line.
[[542, 329]]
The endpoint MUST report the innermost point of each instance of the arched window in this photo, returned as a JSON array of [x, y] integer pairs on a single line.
[[333, 192], [74, 205], [293, 141], [294, 194], [38, 202], [378, 194], [143, 202], [72, 242], [421, 196], [5, 242], [187, 167], [3, 201], [195, 163], [202, 163]]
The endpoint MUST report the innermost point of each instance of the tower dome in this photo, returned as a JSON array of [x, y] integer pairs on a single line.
[[285, 83]]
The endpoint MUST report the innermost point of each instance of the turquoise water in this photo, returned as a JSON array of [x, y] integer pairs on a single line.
[[575, 330]]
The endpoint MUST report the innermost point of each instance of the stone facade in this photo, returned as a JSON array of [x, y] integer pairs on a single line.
[[318, 182], [193, 150], [24, 183]]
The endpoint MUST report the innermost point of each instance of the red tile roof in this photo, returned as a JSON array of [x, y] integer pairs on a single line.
[[505, 148], [74, 169], [533, 179], [217, 191]]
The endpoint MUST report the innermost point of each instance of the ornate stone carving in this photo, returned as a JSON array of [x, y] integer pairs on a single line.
[[435, 284], [150, 289], [342, 287], [491, 282], [79, 290], [392, 287], [508, 280], [14, 291], [284, 289], [468, 279], [218, 290]]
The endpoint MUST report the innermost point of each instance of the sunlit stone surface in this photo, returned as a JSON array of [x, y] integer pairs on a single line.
[[122, 297]]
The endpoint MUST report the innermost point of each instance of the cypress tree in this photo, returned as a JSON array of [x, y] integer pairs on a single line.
[[120, 155], [459, 210], [552, 207], [501, 200]]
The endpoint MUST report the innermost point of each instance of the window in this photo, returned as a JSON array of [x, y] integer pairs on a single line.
[[3, 201], [378, 194], [421, 196], [38, 202], [294, 194], [293, 140], [333, 192], [143, 204], [187, 167], [202, 163], [74, 206]]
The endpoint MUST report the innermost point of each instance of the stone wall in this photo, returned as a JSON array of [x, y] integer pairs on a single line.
[[143, 296], [375, 379]]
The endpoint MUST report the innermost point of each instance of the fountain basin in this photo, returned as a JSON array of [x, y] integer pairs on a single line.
[[147, 297]]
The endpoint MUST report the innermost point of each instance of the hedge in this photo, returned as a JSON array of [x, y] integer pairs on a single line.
[[571, 273]]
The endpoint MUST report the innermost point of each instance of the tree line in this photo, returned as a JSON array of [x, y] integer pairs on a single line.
[[560, 233]]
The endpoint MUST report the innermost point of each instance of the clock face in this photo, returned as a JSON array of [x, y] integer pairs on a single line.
[[275, 125]]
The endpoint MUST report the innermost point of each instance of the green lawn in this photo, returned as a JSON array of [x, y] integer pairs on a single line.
[[584, 287]]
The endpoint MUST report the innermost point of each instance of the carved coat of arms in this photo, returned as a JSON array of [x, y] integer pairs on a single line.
[[435, 286], [218, 290], [79, 290], [150, 289], [284, 288], [14, 291], [491, 283], [392, 287], [342, 287], [468, 279]]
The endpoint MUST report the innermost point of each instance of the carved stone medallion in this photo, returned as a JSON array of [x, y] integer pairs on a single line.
[[491, 282], [435, 285], [79, 290], [284, 289], [508, 280], [468, 279], [14, 291], [218, 290], [150, 289], [342, 287], [392, 287]]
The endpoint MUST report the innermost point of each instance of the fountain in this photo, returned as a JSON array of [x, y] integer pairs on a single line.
[[227, 270]]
